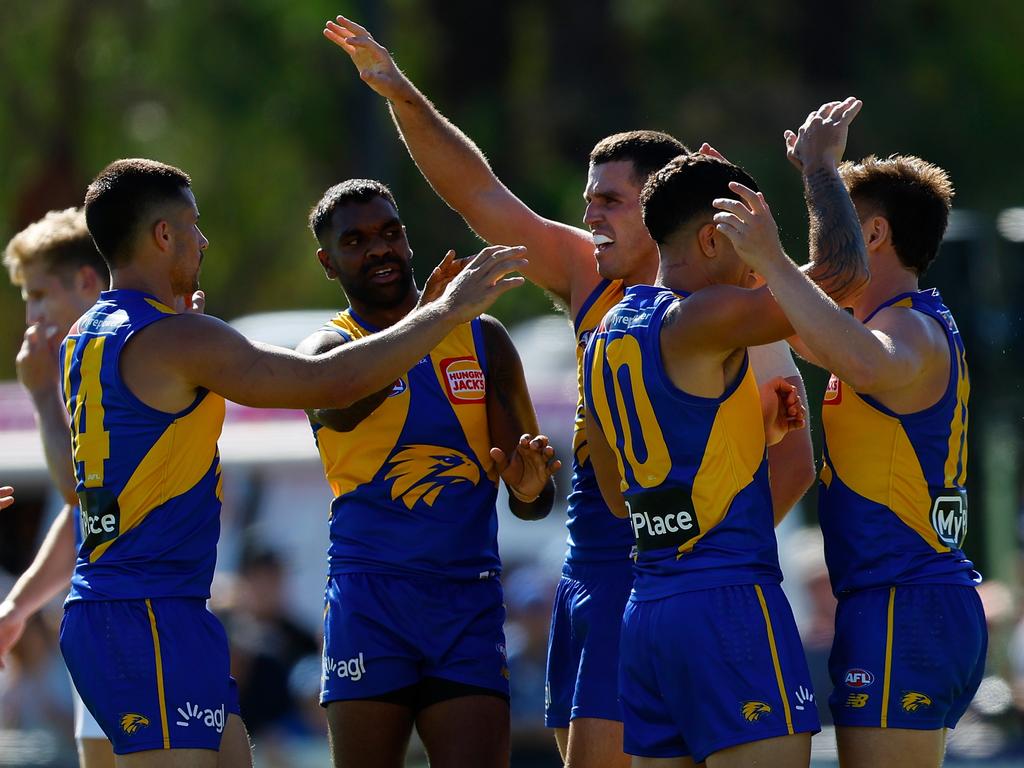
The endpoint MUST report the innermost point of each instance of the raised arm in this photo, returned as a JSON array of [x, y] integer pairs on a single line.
[[562, 260], [523, 458], [39, 373]]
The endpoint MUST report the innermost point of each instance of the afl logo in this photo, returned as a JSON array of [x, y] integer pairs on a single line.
[[858, 678], [399, 387], [949, 519], [463, 380], [834, 391]]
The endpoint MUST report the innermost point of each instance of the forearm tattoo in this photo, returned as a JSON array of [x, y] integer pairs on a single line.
[[838, 254]]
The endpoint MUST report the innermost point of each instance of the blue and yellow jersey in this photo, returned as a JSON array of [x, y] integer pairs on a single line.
[[414, 484], [693, 470], [148, 481], [595, 535], [892, 500]]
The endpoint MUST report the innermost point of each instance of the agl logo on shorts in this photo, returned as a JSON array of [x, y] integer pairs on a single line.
[[463, 380], [193, 713], [352, 669]]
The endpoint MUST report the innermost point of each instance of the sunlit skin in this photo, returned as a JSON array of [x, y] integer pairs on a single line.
[[189, 245], [55, 300], [624, 249], [369, 254]]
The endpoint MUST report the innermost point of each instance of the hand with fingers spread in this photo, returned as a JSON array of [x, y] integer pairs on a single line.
[[821, 140], [376, 67], [750, 226], [483, 279], [6, 496], [37, 365], [781, 408], [530, 467], [440, 277]]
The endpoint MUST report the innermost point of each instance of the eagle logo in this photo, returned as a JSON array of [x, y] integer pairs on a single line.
[[913, 701], [421, 472], [755, 710], [131, 722]]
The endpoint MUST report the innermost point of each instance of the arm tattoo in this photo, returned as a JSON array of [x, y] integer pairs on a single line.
[[838, 254]]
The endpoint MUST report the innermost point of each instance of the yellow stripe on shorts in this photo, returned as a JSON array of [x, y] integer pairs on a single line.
[[775, 659], [159, 676]]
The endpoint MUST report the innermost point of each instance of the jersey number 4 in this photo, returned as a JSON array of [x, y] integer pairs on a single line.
[[90, 443]]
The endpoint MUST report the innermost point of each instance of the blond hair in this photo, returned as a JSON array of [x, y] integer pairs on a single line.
[[60, 241]]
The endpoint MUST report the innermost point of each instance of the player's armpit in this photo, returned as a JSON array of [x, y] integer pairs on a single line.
[[339, 419]]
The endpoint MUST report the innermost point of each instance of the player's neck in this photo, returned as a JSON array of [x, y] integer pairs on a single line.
[[888, 278], [131, 278], [380, 317]]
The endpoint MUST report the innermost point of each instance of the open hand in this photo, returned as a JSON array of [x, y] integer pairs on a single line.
[[483, 279], [821, 140], [781, 408], [530, 467], [440, 277], [376, 67], [749, 225]]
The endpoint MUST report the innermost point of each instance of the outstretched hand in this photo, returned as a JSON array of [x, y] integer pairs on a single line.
[[12, 625], [821, 140], [530, 467], [749, 225], [483, 279], [376, 67], [440, 277], [781, 408]]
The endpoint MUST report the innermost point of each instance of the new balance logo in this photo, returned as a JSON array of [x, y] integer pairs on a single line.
[[857, 700], [352, 669], [193, 713]]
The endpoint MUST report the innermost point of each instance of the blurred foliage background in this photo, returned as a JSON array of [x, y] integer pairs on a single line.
[[265, 114]]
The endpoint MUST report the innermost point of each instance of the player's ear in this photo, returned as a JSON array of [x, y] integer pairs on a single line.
[[709, 239], [163, 234], [877, 232], [325, 262]]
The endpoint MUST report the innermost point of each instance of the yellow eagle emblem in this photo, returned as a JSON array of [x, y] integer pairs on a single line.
[[421, 472], [131, 722], [755, 710], [913, 701]]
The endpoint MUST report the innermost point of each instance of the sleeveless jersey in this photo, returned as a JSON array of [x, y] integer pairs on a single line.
[[149, 482], [595, 534], [693, 470], [892, 501], [413, 483]]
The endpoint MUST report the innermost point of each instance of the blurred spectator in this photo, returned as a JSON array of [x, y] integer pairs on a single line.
[[266, 644]]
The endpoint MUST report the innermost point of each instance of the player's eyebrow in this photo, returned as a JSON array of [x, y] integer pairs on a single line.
[[392, 222]]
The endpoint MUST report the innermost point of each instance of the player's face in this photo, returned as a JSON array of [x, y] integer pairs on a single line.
[[189, 244], [369, 254], [52, 299], [622, 245]]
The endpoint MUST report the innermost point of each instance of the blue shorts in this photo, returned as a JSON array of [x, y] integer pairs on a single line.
[[706, 670], [583, 647], [154, 673], [383, 633], [907, 657]]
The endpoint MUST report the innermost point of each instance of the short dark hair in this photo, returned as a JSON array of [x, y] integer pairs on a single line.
[[351, 191], [122, 196], [912, 194], [685, 188], [59, 241], [647, 150]]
